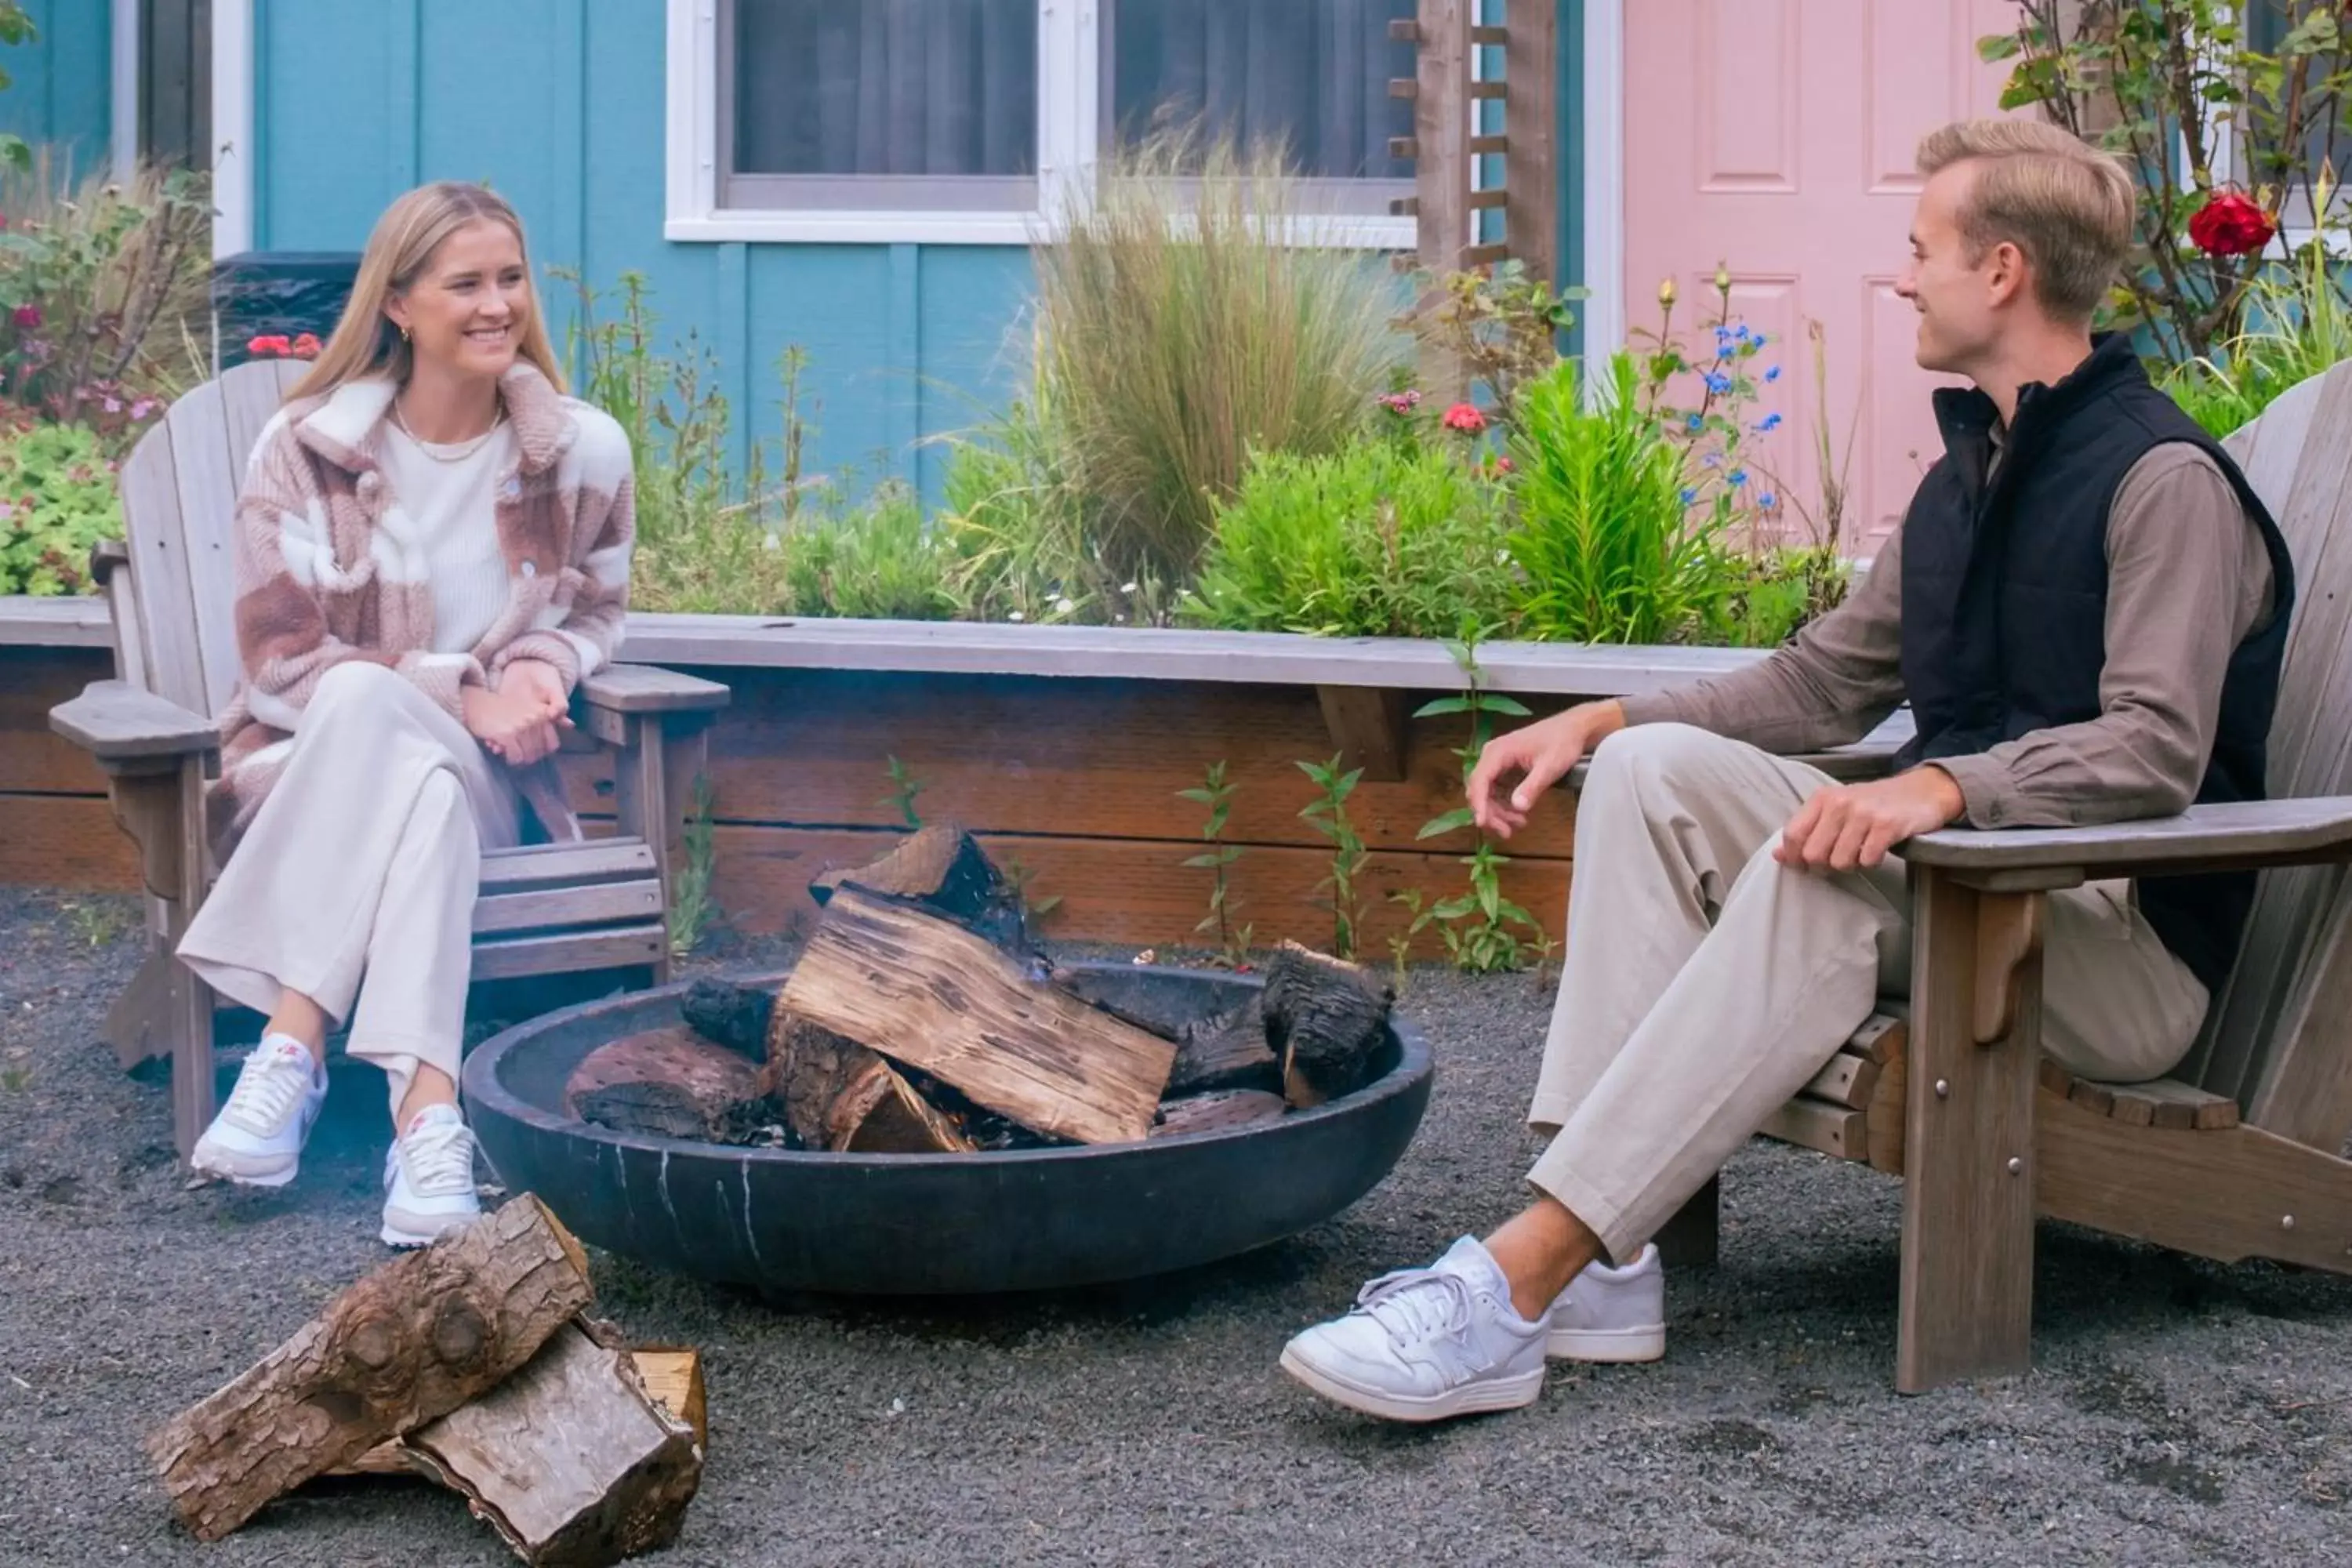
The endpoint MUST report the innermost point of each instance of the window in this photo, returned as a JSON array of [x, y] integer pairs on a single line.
[[964, 121]]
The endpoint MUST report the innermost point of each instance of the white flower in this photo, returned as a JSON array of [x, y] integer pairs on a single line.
[[1016, 615], [1064, 605], [1127, 587]]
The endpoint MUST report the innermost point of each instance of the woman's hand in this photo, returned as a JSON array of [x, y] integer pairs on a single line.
[[538, 678], [513, 723]]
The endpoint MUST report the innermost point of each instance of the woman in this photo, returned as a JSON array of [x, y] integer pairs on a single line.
[[432, 551]]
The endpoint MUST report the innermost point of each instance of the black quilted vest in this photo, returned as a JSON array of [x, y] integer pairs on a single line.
[[2005, 595]]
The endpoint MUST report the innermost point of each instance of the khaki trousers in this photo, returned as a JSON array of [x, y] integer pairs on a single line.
[[1703, 983], [354, 884]]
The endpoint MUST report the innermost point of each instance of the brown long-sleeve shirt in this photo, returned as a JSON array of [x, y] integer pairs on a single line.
[[2188, 578]]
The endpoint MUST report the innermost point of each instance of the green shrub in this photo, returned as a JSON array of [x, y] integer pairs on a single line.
[[2298, 325], [1180, 327], [1376, 540], [1606, 536], [1762, 599], [879, 562], [56, 499]]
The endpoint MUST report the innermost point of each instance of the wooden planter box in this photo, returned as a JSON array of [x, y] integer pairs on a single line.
[[1063, 747]]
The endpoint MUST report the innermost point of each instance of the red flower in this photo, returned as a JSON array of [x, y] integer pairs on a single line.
[[1466, 419], [28, 317], [306, 346], [2230, 223], [269, 344]]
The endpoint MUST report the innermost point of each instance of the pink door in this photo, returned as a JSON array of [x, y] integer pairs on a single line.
[[1775, 138]]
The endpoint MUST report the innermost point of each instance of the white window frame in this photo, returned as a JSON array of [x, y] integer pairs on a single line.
[[1070, 112]]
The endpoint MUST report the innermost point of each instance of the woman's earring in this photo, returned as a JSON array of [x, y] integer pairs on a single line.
[[404, 334]]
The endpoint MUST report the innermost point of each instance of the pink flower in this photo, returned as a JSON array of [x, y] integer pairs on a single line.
[[28, 317], [1466, 419], [1401, 402], [306, 346]]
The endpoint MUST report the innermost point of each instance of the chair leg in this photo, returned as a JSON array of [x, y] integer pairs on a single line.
[[654, 778], [1967, 1305], [192, 1028], [1691, 1238]]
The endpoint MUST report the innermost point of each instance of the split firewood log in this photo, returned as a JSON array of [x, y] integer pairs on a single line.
[[405, 1345], [729, 1014], [881, 1113], [943, 868], [672, 1375], [1228, 1051], [1325, 1018], [930, 995], [808, 1069], [569, 1460], [1217, 1111], [672, 1083]]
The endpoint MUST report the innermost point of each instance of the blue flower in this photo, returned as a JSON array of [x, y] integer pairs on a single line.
[[1696, 423], [1767, 500], [1719, 384], [1723, 337], [1772, 376], [1742, 335], [1737, 478], [1690, 496], [1771, 422]]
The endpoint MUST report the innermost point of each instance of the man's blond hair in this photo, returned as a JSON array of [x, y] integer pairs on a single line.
[[2067, 206]]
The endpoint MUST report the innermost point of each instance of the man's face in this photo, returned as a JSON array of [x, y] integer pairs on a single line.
[[1958, 299]]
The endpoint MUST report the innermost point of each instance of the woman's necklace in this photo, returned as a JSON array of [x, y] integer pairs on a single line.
[[450, 452]]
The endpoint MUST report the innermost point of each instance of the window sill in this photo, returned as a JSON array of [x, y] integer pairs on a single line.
[[999, 228]]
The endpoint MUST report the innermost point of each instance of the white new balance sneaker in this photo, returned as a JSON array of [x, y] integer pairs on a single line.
[[256, 1139], [1424, 1344], [1612, 1314], [428, 1178]]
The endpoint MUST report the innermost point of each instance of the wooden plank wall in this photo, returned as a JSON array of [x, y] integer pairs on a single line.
[[1075, 780]]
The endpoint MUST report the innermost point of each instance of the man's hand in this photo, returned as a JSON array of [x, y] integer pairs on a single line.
[[1850, 826], [1538, 754]]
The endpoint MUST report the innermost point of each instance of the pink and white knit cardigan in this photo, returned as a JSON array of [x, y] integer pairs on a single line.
[[330, 568]]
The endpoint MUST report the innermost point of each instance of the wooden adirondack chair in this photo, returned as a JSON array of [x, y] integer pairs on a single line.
[[544, 909], [2239, 1156]]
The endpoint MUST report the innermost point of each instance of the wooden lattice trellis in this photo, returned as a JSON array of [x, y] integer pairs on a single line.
[[1450, 145]]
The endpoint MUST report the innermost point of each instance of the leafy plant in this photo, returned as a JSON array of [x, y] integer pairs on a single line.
[[1328, 817], [2166, 85], [105, 291], [16, 27], [1476, 925], [2298, 324], [1500, 323], [691, 906], [1375, 540], [1605, 538], [881, 559], [1216, 793], [904, 787], [58, 498], [1189, 313], [1019, 877], [1417, 920]]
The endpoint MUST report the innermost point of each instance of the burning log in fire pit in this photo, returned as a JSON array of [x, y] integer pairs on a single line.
[[922, 1019]]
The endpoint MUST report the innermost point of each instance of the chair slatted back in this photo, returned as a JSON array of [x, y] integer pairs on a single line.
[[2277, 1037], [179, 495]]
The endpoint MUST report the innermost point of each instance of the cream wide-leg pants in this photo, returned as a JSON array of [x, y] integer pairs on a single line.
[[355, 881], [1703, 983]]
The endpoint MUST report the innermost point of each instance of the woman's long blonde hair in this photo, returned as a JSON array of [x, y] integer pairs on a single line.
[[365, 342]]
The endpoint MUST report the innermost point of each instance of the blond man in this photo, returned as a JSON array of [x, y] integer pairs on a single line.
[[2086, 609]]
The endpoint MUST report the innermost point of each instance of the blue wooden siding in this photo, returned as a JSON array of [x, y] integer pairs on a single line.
[[358, 100], [60, 91]]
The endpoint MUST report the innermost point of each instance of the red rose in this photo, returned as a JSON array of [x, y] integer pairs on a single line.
[[28, 317], [2230, 224], [306, 346], [1466, 419]]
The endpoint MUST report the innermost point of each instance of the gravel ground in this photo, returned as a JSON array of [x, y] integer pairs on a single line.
[[2179, 1412]]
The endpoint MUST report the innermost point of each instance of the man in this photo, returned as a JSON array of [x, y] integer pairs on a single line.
[[2086, 608]]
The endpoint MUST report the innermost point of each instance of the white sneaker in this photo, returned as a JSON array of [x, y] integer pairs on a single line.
[[428, 1178], [1426, 1343], [256, 1139], [1612, 1314]]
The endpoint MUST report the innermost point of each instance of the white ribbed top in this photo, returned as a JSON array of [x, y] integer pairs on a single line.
[[454, 508]]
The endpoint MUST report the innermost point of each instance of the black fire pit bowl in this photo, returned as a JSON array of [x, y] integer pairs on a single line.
[[786, 1221]]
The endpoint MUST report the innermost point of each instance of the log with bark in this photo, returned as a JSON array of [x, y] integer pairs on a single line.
[[672, 1083], [1228, 1051], [408, 1345], [1325, 1019], [1218, 1111], [943, 868], [726, 1013], [930, 994]]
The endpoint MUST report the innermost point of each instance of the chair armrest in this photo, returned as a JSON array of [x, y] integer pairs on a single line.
[[1863, 759], [645, 688], [118, 722], [105, 556], [2240, 837]]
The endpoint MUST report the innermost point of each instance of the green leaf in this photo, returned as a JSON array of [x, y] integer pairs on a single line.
[[1441, 705], [1198, 796], [1510, 707], [1451, 822], [1454, 909], [1999, 46]]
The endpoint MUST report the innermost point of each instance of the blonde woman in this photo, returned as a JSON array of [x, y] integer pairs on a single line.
[[432, 550]]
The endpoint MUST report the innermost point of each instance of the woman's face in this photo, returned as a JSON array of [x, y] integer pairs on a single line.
[[466, 310]]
